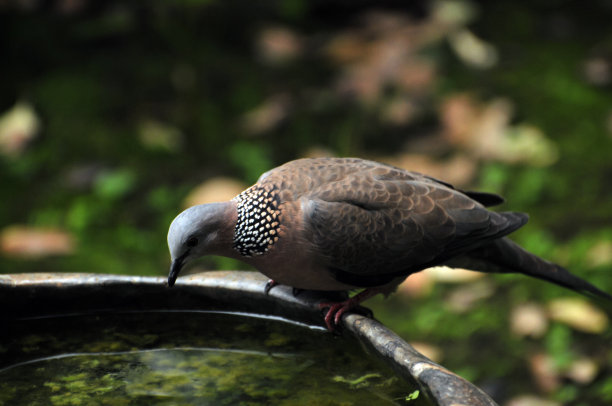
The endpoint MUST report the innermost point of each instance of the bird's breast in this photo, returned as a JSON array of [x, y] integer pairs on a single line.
[[258, 221]]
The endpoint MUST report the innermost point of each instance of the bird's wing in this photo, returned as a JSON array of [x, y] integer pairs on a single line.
[[370, 226]]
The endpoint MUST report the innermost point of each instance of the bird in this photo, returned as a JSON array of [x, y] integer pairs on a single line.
[[344, 224]]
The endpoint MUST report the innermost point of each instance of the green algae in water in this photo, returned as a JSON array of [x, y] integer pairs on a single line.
[[175, 358]]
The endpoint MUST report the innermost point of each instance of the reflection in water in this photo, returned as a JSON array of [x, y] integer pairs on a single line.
[[187, 358]]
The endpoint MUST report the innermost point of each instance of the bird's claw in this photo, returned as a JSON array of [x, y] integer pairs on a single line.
[[269, 285], [333, 314], [335, 311]]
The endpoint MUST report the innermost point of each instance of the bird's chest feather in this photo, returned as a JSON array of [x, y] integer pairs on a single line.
[[269, 236], [258, 221]]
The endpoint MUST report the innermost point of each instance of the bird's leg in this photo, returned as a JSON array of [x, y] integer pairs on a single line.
[[269, 285], [337, 309]]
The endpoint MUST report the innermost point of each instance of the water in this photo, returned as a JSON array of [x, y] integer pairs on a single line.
[[176, 358]]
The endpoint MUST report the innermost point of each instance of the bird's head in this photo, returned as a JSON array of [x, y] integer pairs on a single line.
[[195, 232]]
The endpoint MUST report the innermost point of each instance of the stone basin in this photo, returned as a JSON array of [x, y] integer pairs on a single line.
[[54, 299]]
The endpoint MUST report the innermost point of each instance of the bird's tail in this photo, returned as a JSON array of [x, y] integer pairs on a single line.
[[504, 256]]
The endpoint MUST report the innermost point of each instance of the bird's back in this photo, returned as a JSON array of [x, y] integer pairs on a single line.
[[313, 175], [368, 223]]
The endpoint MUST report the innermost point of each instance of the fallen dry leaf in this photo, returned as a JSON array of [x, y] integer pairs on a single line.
[[484, 131], [277, 45], [399, 111], [598, 70], [531, 400], [473, 51], [416, 76], [600, 254], [528, 143], [419, 284], [583, 371], [267, 115], [579, 314], [431, 351], [214, 190], [545, 374], [464, 298], [453, 14], [17, 127], [458, 115], [529, 319], [487, 135], [154, 134], [383, 52], [447, 274], [32, 242]]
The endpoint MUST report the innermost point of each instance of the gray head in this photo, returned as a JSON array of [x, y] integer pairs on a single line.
[[194, 233]]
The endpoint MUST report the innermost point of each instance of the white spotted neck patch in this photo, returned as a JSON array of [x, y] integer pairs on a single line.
[[258, 220]]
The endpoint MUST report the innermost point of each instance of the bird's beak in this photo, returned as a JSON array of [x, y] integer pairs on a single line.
[[175, 268]]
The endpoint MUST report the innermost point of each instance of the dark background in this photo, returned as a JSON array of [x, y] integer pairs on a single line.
[[113, 113]]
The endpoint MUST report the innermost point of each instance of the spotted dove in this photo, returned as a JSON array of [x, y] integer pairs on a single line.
[[346, 223]]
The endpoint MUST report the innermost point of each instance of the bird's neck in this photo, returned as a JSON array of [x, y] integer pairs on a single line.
[[226, 214]]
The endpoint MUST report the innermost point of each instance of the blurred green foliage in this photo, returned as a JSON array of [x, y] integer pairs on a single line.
[[141, 101]]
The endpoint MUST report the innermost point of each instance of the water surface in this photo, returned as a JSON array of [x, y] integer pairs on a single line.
[[175, 358]]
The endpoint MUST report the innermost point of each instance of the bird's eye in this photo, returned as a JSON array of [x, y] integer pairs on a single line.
[[192, 242]]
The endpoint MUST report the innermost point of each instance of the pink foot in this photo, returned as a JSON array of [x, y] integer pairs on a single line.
[[269, 285], [337, 309], [334, 313]]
